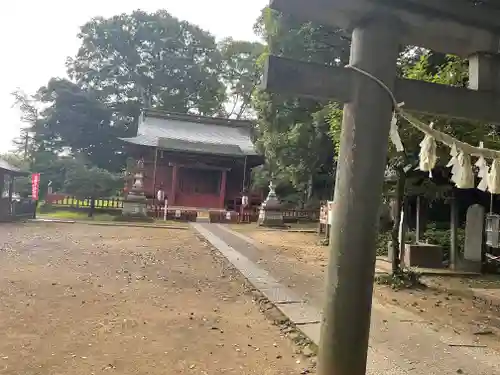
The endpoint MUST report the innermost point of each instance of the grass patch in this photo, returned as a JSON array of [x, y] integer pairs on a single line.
[[83, 216], [71, 215]]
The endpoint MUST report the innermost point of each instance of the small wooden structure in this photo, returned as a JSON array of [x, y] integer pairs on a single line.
[[199, 162], [379, 29], [8, 206]]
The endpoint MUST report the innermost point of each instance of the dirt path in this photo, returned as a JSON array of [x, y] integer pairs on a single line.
[[306, 258], [76, 299]]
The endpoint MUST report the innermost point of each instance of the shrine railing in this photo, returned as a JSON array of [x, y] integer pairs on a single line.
[[294, 215], [114, 206]]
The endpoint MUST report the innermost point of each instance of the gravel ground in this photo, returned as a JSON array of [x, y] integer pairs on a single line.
[[78, 299], [306, 259]]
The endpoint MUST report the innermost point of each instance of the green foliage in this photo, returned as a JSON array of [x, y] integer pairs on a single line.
[[91, 182], [441, 237], [126, 63], [383, 240], [290, 128], [240, 73], [334, 118], [149, 59]]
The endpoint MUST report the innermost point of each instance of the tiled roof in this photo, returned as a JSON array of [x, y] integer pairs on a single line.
[[194, 133], [9, 168]]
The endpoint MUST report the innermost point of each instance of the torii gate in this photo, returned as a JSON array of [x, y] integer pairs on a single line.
[[379, 28]]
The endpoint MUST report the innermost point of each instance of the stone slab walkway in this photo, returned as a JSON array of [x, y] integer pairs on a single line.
[[400, 343]]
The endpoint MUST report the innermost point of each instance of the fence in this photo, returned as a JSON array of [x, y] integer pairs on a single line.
[[115, 205], [73, 202]]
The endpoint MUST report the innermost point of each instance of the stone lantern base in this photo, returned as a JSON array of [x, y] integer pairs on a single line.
[[134, 208], [271, 217]]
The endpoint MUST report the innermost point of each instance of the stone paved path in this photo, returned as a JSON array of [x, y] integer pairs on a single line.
[[400, 343]]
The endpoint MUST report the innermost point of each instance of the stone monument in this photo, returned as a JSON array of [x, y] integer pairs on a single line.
[[271, 212], [135, 202], [474, 232]]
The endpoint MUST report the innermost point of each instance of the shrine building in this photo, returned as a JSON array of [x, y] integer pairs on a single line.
[[199, 162]]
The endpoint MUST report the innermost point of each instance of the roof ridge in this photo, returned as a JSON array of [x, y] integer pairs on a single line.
[[247, 124]]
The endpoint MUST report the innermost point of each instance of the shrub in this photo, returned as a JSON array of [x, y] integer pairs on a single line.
[[442, 238], [404, 279], [383, 240]]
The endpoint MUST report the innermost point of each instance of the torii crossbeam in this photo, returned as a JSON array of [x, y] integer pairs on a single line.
[[379, 28]]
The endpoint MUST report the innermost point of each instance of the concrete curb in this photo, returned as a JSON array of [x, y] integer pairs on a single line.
[[306, 318]]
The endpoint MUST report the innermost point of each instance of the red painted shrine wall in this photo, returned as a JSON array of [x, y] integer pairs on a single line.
[[195, 187]]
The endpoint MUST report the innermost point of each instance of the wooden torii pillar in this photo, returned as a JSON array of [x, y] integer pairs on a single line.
[[379, 28]]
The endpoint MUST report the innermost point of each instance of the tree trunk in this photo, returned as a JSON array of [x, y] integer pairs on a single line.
[[399, 197], [92, 207]]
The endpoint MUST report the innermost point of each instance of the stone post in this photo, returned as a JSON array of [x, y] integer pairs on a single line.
[[474, 234], [358, 191]]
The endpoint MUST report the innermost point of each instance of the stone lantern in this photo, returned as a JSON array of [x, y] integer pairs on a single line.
[[135, 203], [271, 212]]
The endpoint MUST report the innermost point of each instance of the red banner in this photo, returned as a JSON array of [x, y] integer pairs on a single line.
[[35, 185]]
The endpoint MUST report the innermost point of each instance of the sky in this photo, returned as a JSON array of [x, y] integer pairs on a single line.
[[37, 36]]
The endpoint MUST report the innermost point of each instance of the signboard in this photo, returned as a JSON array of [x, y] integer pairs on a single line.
[[323, 214], [35, 185], [330, 212], [326, 213]]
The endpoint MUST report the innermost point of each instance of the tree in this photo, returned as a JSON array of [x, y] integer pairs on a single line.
[[74, 120], [154, 60], [126, 63], [71, 120], [289, 128], [240, 74], [27, 105], [86, 182]]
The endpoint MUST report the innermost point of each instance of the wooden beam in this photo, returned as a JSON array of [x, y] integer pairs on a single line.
[[296, 78], [199, 166], [455, 30]]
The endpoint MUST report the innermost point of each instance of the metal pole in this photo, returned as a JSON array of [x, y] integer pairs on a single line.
[[358, 191], [154, 180]]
